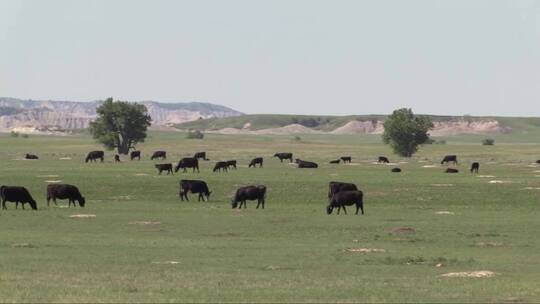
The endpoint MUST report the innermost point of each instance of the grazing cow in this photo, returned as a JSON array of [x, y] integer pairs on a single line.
[[383, 159], [93, 156], [221, 165], [249, 193], [116, 158], [335, 187], [346, 159], [64, 191], [231, 163], [306, 164], [200, 155], [283, 156], [31, 156], [187, 162], [335, 161], [194, 186], [450, 159], [159, 154], [396, 170], [451, 170], [164, 167], [346, 198], [135, 154], [255, 161], [475, 167], [16, 195]]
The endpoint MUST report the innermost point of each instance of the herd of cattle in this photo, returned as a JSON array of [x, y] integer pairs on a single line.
[[340, 194]]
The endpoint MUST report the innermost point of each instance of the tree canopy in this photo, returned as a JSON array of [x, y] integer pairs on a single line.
[[120, 125], [404, 131]]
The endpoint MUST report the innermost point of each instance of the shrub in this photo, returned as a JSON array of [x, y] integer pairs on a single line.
[[25, 136], [14, 134], [488, 142], [195, 135]]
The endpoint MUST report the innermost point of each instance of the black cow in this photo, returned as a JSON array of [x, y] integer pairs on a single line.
[[135, 154], [335, 187], [346, 159], [187, 162], [221, 165], [17, 195], [116, 158], [396, 170], [383, 159], [255, 161], [93, 156], [231, 163], [31, 156], [159, 154], [538, 161], [164, 167], [194, 186], [475, 167], [346, 198], [451, 170], [283, 156], [335, 161], [306, 164], [64, 191], [249, 193], [450, 159], [200, 155]]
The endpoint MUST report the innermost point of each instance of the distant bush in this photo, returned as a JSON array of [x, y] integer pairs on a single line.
[[14, 134], [25, 136], [195, 135], [488, 142], [429, 141]]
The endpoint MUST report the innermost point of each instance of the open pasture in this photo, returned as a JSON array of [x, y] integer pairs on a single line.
[[140, 243]]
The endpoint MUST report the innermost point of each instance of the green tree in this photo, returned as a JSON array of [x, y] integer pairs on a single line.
[[404, 131], [120, 125]]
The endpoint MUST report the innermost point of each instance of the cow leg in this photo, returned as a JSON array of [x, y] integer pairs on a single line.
[[22, 204], [181, 195], [4, 204], [344, 209]]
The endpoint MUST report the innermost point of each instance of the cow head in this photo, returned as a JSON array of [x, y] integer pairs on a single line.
[[329, 209], [234, 204], [82, 201], [208, 194], [33, 204]]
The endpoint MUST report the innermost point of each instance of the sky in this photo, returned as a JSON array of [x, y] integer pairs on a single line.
[[330, 57]]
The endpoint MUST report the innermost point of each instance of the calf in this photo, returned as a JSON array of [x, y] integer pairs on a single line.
[[451, 170], [164, 167], [64, 191], [283, 156], [249, 193], [336, 161], [135, 154], [396, 170], [31, 156], [306, 164], [200, 155], [93, 156], [383, 159], [346, 159], [159, 154], [231, 164], [221, 165], [255, 161], [475, 167], [116, 158], [346, 198], [187, 162], [194, 186], [450, 159], [16, 195]]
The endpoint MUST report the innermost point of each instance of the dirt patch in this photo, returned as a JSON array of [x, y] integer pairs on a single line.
[[531, 188], [167, 262], [352, 164], [444, 212], [470, 274], [23, 245], [121, 197], [53, 181], [489, 244], [144, 223], [402, 230], [499, 182], [64, 158], [365, 250], [141, 174], [486, 176], [429, 166], [83, 216]]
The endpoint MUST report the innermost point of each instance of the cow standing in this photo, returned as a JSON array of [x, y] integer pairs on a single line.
[[221, 165], [200, 155], [231, 164], [194, 186], [346, 198], [346, 159], [116, 158], [159, 154], [187, 162], [17, 195], [164, 167], [283, 156], [383, 159], [450, 159], [65, 191], [475, 167], [335, 187], [93, 156], [135, 154], [249, 193], [255, 161]]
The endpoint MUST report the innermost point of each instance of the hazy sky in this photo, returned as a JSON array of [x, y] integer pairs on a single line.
[[273, 56]]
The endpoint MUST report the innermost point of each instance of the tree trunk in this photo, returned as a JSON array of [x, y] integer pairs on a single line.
[[123, 148]]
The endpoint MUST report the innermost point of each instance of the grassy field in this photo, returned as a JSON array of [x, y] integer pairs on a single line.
[[144, 245]]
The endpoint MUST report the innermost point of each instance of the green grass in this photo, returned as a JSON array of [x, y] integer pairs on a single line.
[[291, 251]]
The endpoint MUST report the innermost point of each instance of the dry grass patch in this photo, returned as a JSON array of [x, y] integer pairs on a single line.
[[444, 212], [365, 250], [470, 274], [83, 216]]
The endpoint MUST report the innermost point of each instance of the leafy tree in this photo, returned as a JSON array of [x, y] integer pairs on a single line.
[[404, 131], [120, 125]]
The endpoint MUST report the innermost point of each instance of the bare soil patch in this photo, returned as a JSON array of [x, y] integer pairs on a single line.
[[470, 274], [444, 212], [402, 230], [365, 250], [85, 216]]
